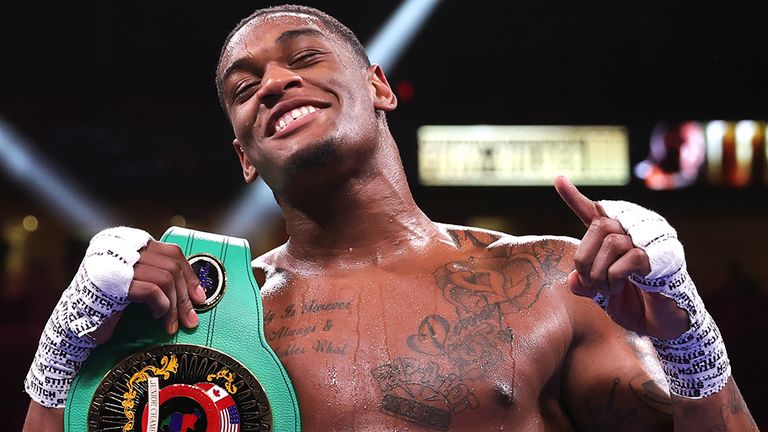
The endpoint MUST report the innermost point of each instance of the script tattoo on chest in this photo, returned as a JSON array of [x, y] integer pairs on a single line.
[[484, 290], [304, 336]]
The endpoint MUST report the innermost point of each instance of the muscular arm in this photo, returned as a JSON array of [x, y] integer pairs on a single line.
[[613, 382], [723, 411], [631, 257], [612, 379], [42, 419]]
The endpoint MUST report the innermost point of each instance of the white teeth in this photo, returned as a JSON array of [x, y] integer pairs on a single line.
[[294, 114]]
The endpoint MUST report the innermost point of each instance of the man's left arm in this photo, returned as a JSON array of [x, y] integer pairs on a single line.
[[632, 264]]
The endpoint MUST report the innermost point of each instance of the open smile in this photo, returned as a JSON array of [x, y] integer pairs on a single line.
[[291, 116]]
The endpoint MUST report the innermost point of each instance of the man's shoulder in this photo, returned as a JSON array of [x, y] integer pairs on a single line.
[[494, 240], [267, 260]]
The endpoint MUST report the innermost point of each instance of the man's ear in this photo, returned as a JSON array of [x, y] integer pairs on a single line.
[[249, 171], [383, 97]]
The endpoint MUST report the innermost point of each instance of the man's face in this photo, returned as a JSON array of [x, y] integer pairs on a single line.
[[298, 100]]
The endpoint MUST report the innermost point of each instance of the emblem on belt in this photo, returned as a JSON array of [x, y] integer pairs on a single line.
[[212, 278], [179, 388]]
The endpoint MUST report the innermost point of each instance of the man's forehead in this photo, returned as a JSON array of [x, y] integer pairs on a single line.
[[271, 25]]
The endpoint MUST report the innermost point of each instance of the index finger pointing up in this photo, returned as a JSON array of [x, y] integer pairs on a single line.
[[586, 209]]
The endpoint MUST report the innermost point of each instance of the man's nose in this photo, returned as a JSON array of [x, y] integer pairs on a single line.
[[275, 81]]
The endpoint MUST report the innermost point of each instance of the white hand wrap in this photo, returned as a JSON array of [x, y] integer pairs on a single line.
[[696, 362], [98, 291]]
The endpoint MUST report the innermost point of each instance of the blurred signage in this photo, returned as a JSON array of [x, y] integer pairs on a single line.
[[522, 155], [720, 153]]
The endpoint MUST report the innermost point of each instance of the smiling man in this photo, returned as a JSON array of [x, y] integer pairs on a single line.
[[386, 320]]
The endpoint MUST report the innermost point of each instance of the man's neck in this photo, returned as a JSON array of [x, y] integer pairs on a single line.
[[365, 220]]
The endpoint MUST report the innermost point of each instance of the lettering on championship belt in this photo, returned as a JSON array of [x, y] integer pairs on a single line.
[[179, 388]]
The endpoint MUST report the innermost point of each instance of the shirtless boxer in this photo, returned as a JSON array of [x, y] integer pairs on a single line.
[[386, 320]]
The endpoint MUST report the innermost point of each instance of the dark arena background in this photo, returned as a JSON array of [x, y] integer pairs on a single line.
[[109, 115]]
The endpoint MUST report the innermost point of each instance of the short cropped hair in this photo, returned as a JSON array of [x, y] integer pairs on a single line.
[[331, 23]]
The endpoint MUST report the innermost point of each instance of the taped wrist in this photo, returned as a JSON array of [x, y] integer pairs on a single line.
[[696, 363], [98, 291]]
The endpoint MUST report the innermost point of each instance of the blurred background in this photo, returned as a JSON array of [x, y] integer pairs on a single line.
[[109, 115]]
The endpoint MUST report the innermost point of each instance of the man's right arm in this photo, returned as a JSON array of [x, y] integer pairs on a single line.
[[118, 269], [631, 262]]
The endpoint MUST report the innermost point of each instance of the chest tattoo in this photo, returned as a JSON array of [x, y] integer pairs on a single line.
[[484, 292]]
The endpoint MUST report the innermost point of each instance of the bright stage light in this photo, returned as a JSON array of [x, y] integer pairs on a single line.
[[30, 223], [745, 133], [389, 42], [32, 171], [252, 213]]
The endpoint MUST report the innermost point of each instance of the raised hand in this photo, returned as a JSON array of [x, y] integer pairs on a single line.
[[604, 260]]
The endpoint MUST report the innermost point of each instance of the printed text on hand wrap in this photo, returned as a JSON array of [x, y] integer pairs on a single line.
[[696, 362], [98, 291]]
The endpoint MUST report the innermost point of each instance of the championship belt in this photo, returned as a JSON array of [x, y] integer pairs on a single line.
[[218, 377]]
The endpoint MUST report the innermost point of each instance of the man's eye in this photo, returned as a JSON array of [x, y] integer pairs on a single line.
[[305, 58], [245, 91]]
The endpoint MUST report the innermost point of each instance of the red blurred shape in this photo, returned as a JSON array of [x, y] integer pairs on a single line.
[[404, 91]]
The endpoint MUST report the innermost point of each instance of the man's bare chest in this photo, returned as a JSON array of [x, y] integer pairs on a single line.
[[445, 349]]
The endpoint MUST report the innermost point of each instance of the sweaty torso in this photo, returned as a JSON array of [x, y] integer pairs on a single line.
[[468, 335]]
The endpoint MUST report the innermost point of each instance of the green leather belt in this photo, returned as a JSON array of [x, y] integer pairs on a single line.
[[220, 376]]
